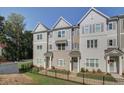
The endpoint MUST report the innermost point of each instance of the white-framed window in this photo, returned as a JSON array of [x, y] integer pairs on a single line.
[[86, 29], [111, 42], [97, 27], [92, 62], [61, 33], [39, 47], [60, 62], [61, 46], [39, 36], [92, 43], [110, 26]]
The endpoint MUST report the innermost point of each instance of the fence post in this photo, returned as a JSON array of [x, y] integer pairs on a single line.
[[55, 73], [103, 80], [68, 75], [83, 78]]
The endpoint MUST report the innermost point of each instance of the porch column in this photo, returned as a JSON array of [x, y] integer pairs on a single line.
[[45, 64], [70, 68], [120, 65], [78, 69], [50, 62], [108, 68]]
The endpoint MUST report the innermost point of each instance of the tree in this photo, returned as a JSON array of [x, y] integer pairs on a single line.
[[14, 26]]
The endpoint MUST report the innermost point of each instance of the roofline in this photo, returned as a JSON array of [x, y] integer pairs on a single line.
[[59, 20], [39, 24], [92, 8]]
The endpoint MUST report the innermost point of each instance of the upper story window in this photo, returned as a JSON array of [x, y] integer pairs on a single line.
[[92, 43], [39, 47], [61, 33], [39, 36], [61, 46], [111, 26], [60, 62], [98, 28], [86, 29], [111, 42]]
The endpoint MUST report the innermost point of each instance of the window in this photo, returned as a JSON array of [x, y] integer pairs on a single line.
[[60, 62], [92, 62], [98, 27], [95, 45], [39, 47], [92, 43], [61, 46], [88, 43], [110, 26], [112, 42], [86, 29], [38, 37], [61, 34]]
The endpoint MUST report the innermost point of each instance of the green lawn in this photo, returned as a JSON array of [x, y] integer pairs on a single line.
[[45, 80]]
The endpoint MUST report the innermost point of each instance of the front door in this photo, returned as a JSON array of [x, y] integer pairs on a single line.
[[74, 64], [113, 65]]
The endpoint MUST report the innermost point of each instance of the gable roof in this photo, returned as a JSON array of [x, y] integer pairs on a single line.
[[92, 9], [61, 18], [45, 28]]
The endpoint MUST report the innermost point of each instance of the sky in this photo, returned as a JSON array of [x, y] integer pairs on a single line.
[[49, 15]]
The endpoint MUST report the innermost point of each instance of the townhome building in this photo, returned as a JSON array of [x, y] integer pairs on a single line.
[[95, 42]]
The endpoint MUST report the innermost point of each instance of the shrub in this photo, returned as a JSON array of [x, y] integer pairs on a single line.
[[108, 74], [35, 70], [25, 67], [94, 71], [52, 67], [87, 70], [82, 70], [99, 71]]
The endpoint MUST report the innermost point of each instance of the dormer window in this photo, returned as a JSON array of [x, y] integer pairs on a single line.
[[98, 27]]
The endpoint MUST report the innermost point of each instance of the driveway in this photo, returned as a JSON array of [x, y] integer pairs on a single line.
[[15, 79]]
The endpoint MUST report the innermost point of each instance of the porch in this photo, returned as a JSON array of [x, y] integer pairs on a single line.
[[114, 59], [75, 61]]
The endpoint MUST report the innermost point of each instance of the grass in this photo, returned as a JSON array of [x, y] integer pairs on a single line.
[[97, 76], [45, 80]]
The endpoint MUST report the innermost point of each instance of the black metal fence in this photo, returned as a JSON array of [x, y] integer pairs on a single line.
[[83, 78]]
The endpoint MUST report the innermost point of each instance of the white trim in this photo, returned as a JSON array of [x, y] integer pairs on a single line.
[[59, 20], [89, 12], [122, 33], [39, 23]]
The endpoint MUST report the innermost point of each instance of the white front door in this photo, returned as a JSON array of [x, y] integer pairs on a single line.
[[113, 67]]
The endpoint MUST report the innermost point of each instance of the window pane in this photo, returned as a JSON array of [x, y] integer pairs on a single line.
[[40, 36], [98, 27], [97, 64], [59, 34], [110, 26], [86, 29], [37, 37], [95, 41], [87, 62], [92, 62], [59, 47], [63, 46], [88, 43], [63, 33], [110, 42], [91, 43]]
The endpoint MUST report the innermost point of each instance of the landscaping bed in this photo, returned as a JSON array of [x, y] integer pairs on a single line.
[[62, 71]]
